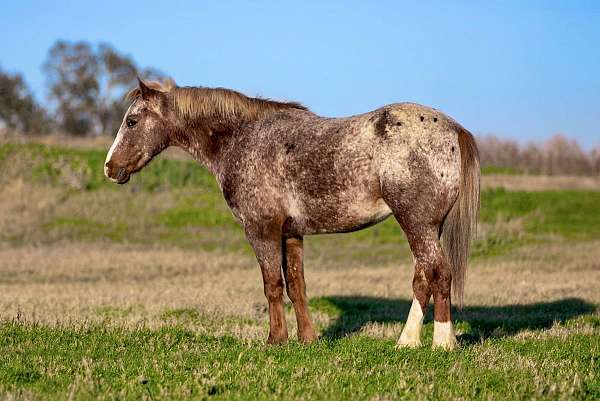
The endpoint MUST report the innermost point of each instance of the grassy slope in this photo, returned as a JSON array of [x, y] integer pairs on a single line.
[[177, 204]]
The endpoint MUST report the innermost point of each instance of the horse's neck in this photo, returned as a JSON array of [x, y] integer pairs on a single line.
[[207, 144]]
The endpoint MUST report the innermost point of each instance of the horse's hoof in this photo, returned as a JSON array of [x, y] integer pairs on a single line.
[[446, 346], [307, 337], [273, 340]]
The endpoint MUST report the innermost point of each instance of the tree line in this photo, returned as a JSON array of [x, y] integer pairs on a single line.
[[86, 87], [87, 83], [555, 156]]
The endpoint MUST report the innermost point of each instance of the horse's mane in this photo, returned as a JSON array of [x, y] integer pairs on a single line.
[[197, 102]]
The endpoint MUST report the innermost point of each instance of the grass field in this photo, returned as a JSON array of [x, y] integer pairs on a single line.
[[149, 291]]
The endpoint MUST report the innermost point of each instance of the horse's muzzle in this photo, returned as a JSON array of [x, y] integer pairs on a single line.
[[118, 175]]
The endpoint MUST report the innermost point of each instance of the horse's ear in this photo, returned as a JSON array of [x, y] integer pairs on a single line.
[[146, 92]]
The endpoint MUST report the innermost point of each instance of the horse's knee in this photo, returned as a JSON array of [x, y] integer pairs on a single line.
[[274, 289], [421, 285], [294, 290]]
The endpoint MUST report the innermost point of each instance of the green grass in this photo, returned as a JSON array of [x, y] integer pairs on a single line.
[[548, 350], [96, 362], [178, 203], [55, 165], [205, 209], [489, 170], [570, 214]]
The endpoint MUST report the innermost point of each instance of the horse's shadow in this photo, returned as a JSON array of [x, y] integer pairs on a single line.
[[483, 321]]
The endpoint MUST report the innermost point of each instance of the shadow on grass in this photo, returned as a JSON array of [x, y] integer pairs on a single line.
[[483, 321]]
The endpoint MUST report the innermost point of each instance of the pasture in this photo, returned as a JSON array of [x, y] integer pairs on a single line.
[[150, 291]]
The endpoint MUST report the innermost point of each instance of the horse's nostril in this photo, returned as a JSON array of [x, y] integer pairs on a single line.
[[121, 174]]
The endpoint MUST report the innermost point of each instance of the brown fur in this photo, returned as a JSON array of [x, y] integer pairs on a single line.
[[286, 173]]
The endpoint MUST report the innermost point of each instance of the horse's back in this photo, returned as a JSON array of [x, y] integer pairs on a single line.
[[328, 174], [329, 179]]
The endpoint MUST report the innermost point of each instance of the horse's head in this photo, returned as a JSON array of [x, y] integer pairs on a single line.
[[144, 133]]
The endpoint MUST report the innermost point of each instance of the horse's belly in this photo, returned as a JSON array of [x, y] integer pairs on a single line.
[[348, 217]]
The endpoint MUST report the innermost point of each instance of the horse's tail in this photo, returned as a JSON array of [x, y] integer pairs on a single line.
[[461, 222]]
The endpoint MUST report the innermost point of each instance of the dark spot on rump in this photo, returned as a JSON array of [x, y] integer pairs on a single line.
[[422, 118], [442, 174], [288, 147], [435, 119], [398, 123], [381, 124], [452, 149]]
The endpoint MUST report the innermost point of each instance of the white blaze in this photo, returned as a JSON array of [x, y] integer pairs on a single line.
[[110, 152], [411, 333]]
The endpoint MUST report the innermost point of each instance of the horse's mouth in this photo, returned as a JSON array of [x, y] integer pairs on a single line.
[[121, 175]]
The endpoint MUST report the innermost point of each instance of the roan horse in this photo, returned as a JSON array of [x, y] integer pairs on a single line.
[[286, 173]]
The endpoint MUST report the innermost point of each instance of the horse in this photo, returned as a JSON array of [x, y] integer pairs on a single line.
[[286, 172]]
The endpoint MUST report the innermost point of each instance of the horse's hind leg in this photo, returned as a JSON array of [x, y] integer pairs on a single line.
[[411, 333], [420, 209], [293, 269], [432, 277]]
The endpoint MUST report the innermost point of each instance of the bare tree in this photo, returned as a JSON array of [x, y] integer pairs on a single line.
[[564, 156], [87, 86], [595, 158], [532, 159], [18, 108], [72, 71], [558, 155], [498, 152]]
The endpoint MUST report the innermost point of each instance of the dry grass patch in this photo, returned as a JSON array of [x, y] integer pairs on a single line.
[[216, 293], [540, 182]]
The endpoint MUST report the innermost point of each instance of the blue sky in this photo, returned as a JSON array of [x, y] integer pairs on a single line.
[[522, 69]]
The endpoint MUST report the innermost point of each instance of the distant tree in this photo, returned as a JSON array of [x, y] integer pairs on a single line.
[[557, 155], [72, 74], [532, 159], [18, 108], [498, 152], [564, 156], [595, 160], [87, 86]]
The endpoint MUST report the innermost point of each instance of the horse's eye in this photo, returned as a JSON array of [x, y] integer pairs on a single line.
[[131, 122]]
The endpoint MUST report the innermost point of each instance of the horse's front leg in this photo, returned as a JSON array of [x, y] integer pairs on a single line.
[[293, 268], [266, 242]]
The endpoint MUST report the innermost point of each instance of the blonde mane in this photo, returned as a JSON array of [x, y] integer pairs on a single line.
[[198, 102]]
